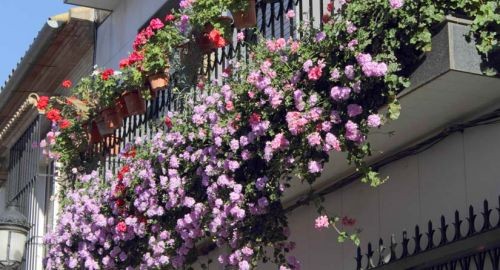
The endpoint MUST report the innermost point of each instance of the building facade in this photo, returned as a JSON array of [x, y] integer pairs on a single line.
[[438, 210]]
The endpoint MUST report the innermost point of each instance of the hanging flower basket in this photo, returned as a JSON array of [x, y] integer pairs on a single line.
[[245, 18], [112, 118], [121, 108], [134, 102], [159, 81], [103, 127], [93, 134]]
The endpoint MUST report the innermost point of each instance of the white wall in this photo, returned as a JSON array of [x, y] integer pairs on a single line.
[[116, 34]]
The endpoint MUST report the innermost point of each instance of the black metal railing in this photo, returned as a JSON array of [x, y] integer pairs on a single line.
[[472, 232]]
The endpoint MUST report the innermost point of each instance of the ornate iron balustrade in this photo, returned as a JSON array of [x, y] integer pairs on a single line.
[[475, 238]]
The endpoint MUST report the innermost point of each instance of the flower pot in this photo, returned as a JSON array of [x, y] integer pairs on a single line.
[[245, 18], [121, 108], [103, 127], [112, 118], [93, 133], [158, 81], [134, 102]]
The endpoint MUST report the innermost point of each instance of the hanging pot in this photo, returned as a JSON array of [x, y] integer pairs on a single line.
[[159, 81], [112, 118], [103, 127], [246, 18], [134, 102], [121, 108], [93, 134]]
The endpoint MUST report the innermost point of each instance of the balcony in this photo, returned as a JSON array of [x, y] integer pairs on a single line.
[[108, 5]]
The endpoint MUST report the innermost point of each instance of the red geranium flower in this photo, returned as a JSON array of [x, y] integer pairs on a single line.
[[124, 63], [64, 123], [125, 169], [121, 227], [200, 85], [156, 24], [119, 203], [54, 115], [42, 103], [67, 84], [326, 18], [135, 57], [217, 39], [346, 221], [254, 119], [170, 17], [105, 74], [119, 189], [168, 122], [330, 6], [130, 154]]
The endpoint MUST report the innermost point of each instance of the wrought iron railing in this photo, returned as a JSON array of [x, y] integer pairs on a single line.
[[477, 233]]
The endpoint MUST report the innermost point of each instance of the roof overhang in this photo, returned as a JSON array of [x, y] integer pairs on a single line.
[[57, 49], [108, 5], [447, 89]]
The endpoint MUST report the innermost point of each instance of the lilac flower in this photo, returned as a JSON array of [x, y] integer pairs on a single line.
[[307, 65], [351, 28], [335, 74], [396, 4], [340, 93], [349, 72], [354, 110], [374, 120], [320, 36], [314, 166]]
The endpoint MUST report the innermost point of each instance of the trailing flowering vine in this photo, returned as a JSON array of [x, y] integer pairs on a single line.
[[217, 172]]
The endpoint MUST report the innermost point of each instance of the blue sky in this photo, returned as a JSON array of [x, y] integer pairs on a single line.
[[19, 25]]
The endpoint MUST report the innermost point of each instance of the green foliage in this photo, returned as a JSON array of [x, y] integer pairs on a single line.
[[158, 50]]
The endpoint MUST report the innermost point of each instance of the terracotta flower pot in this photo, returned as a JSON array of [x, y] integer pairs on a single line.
[[134, 102], [103, 127], [121, 108], [112, 118], [93, 134], [159, 81], [245, 18]]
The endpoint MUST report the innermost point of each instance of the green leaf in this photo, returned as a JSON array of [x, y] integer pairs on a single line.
[[394, 110]]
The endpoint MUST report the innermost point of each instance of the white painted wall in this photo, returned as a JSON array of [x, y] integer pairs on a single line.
[[116, 34], [459, 171]]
